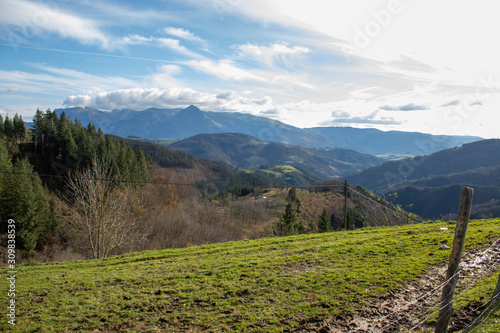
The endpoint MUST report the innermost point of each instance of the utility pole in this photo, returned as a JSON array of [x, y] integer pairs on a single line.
[[345, 204]]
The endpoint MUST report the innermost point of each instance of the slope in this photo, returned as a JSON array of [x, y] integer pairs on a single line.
[[245, 151], [430, 182], [183, 123], [272, 284]]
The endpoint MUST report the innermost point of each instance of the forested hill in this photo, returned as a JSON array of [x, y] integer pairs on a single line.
[[183, 123], [244, 151], [430, 185], [453, 161], [35, 164]]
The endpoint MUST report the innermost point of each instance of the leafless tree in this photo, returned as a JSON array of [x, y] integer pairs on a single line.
[[103, 208]]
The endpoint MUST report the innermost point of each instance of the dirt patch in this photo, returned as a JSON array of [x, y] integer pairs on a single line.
[[410, 308]]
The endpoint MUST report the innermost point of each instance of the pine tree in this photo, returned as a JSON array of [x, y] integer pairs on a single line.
[[1, 126], [26, 201], [6, 185], [292, 195], [142, 166], [8, 128], [288, 222], [333, 220], [19, 128], [324, 222]]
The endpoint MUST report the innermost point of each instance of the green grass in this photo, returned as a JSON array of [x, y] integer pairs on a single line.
[[481, 292], [260, 285]]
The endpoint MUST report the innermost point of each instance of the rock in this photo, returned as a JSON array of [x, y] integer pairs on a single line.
[[444, 247]]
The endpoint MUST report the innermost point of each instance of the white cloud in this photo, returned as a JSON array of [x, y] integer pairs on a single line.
[[224, 69], [143, 98], [170, 43], [35, 19], [406, 107], [182, 33], [271, 50]]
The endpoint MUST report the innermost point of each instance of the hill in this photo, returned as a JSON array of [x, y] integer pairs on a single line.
[[299, 283], [244, 151], [183, 123], [431, 182]]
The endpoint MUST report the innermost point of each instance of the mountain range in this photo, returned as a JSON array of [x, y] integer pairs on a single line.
[[427, 184], [244, 151], [183, 123], [430, 185]]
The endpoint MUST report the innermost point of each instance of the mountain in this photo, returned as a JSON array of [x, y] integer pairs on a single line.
[[430, 185], [244, 151], [156, 123], [392, 143]]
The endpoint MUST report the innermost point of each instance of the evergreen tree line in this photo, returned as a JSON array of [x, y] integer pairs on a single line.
[[55, 146], [13, 129], [60, 145], [24, 199]]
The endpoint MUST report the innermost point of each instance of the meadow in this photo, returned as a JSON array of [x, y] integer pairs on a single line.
[[271, 284]]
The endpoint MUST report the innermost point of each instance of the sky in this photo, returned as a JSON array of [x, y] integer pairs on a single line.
[[420, 66]]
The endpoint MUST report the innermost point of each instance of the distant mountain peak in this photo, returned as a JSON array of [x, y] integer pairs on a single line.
[[192, 108]]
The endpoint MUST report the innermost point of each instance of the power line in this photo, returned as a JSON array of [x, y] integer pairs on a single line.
[[378, 203], [136, 181]]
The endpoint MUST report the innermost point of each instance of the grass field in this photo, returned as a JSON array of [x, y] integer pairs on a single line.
[[266, 285]]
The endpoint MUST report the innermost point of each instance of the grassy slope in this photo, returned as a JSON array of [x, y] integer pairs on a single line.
[[248, 285]]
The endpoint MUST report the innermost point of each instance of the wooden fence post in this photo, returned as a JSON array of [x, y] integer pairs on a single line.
[[452, 275]]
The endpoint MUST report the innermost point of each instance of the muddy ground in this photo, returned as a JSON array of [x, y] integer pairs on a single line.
[[412, 307]]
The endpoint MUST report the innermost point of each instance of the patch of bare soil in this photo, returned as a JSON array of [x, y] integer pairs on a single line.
[[411, 307]]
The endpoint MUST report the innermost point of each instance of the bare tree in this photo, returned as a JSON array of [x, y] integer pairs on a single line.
[[104, 209]]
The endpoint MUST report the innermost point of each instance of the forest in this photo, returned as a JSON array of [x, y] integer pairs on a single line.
[[76, 193]]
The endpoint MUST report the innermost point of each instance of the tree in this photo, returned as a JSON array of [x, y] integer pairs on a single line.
[[333, 221], [292, 195], [104, 209], [288, 222], [24, 199], [1, 126], [8, 128], [19, 128], [324, 222]]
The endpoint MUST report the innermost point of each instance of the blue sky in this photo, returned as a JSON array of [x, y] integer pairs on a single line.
[[406, 65]]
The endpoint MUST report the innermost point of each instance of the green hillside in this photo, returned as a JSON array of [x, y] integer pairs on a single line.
[[244, 151], [183, 123], [428, 185], [271, 285]]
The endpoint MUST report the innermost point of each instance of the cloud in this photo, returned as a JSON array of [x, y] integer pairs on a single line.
[[342, 117], [170, 43], [271, 53], [9, 91], [271, 50], [224, 69], [34, 19], [361, 120], [272, 112], [143, 98], [457, 102], [406, 107], [339, 114], [451, 103], [182, 33]]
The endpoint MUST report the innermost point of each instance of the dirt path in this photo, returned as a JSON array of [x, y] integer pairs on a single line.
[[409, 308]]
